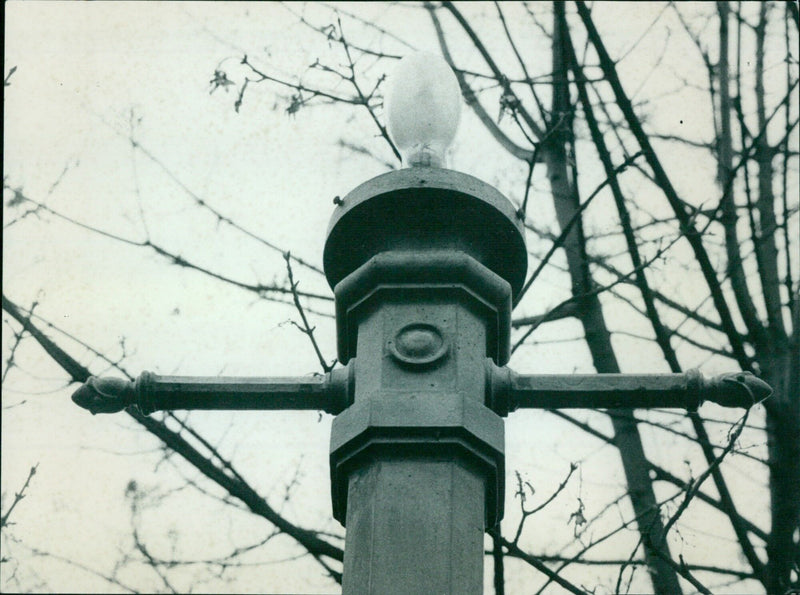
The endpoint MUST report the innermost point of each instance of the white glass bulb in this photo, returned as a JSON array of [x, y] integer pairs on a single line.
[[423, 107]]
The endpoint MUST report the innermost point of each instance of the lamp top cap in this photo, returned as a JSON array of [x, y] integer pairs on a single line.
[[426, 209]]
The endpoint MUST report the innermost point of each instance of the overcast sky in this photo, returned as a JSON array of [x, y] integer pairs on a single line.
[[90, 75]]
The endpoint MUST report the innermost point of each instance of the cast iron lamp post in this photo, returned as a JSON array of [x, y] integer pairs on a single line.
[[425, 264]]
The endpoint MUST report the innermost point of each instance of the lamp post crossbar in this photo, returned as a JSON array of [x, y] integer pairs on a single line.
[[688, 390], [332, 392], [151, 392]]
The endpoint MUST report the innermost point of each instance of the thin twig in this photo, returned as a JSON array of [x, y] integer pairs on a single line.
[[306, 329], [553, 576], [109, 579], [528, 513], [365, 100], [579, 299], [471, 98], [695, 485], [662, 474], [260, 289], [573, 220], [203, 203], [18, 496], [18, 336]]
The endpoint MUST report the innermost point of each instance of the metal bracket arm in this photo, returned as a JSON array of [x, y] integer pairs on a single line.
[[150, 392], [509, 391]]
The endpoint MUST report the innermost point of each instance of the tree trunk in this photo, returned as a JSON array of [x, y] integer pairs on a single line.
[[778, 357], [565, 196]]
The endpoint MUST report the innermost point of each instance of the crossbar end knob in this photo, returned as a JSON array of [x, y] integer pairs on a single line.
[[105, 395], [738, 389]]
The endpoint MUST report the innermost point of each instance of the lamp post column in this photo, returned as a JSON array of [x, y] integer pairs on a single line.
[[417, 461]]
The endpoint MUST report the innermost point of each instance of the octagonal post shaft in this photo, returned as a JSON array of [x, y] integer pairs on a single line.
[[425, 264]]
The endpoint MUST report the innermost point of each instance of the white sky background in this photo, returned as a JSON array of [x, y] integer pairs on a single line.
[[86, 73]]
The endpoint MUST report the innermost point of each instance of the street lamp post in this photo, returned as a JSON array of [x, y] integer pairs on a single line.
[[425, 264]]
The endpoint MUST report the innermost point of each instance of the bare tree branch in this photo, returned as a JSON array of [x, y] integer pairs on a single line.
[[18, 496], [515, 551], [472, 100], [235, 487], [261, 290], [677, 204], [306, 329]]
